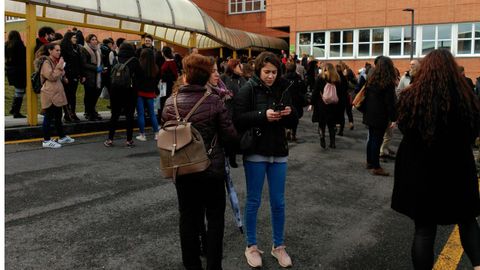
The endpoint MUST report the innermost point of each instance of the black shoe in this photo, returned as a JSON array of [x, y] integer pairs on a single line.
[[97, 116], [19, 115], [75, 118], [332, 145], [67, 119], [340, 133], [323, 144]]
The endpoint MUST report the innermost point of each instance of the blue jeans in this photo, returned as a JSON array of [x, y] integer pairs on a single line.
[[255, 176], [141, 114], [375, 140]]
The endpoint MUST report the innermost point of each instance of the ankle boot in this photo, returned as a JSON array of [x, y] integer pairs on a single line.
[[332, 141], [340, 131], [16, 106], [323, 144]]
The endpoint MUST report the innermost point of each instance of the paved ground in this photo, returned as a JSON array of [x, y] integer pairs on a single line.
[[89, 207]]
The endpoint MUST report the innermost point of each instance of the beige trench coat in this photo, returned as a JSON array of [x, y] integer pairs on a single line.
[[52, 90]]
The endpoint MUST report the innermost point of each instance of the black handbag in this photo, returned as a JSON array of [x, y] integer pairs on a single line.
[[248, 140]]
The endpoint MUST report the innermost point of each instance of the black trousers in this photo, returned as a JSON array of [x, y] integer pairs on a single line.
[[125, 99], [55, 113], [71, 93], [201, 195], [90, 99], [424, 239]]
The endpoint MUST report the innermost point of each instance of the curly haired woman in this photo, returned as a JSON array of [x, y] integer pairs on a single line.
[[435, 175]]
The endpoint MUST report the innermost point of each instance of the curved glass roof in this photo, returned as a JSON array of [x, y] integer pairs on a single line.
[[169, 20]]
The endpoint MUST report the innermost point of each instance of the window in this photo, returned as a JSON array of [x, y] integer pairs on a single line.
[[462, 39], [305, 43], [370, 42], [246, 6], [319, 45], [400, 41], [341, 43], [435, 37], [468, 38]]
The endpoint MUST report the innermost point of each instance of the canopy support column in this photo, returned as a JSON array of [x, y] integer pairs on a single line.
[[192, 42], [234, 55], [221, 53], [249, 52], [31, 33]]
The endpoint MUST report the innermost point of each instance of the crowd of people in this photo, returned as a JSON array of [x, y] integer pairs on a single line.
[[252, 107]]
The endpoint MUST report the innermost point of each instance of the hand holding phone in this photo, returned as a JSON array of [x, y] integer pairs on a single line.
[[279, 108]]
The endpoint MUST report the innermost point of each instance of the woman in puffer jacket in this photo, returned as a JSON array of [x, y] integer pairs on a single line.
[[263, 107], [202, 191]]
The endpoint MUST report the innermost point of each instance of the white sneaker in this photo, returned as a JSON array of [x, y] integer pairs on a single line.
[[66, 139], [141, 137], [51, 144]]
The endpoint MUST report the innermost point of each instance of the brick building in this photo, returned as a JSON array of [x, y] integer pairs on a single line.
[[358, 31]]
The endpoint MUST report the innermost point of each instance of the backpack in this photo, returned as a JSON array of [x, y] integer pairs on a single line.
[[181, 146], [329, 95], [120, 76], [36, 79]]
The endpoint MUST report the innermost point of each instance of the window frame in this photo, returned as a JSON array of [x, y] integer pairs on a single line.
[[329, 44], [417, 39], [472, 39], [244, 4], [370, 43], [436, 39]]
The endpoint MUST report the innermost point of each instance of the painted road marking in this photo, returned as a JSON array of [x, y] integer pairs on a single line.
[[73, 136], [451, 254]]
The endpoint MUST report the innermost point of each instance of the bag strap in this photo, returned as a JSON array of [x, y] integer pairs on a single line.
[[128, 61], [195, 107]]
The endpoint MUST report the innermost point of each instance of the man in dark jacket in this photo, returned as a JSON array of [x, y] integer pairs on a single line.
[[461, 69]]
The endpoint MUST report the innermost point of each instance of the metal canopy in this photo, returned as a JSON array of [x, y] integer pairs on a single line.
[[169, 20]]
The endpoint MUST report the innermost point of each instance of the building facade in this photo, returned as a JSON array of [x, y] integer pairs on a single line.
[[358, 31]]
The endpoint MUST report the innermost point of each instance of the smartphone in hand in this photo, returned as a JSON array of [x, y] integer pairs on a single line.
[[279, 108]]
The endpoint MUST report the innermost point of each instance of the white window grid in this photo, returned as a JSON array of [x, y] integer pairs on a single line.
[[474, 27], [437, 40], [404, 42], [341, 44], [246, 6], [371, 43]]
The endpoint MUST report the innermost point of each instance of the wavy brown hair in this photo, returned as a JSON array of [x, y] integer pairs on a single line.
[[383, 75], [438, 86]]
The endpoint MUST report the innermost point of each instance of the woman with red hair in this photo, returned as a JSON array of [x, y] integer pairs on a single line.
[[435, 174]]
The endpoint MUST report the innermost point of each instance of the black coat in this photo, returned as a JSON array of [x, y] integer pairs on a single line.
[[233, 83], [73, 60], [298, 91], [272, 141], [379, 107], [342, 92], [133, 68], [89, 69], [323, 113], [437, 183], [16, 65]]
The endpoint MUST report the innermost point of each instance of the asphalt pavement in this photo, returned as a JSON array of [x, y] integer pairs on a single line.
[[86, 206]]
